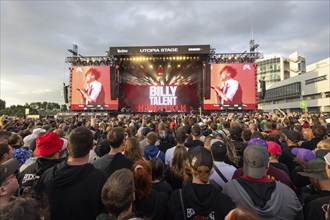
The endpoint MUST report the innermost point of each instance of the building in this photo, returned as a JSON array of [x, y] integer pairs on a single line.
[[305, 92], [276, 69]]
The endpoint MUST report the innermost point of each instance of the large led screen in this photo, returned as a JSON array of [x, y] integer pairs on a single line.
[[90, 88], [232, 86], [181, 98]]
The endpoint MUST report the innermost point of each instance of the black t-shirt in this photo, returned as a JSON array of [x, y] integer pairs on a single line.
[[151, 207], [162, 187]]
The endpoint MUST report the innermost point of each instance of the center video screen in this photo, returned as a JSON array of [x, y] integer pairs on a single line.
[[233, 86], [160, 86], [90, 88]]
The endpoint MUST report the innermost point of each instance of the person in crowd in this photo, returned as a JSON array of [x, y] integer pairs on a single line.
[[228, 91], [166, 137], [180, 137], [8, 181], [318, 135], [114, 160], [256, 191], [151, 150], [94, 93], [242, 214], [22, 155], [6, 152], [148, 203], [292, 138], [4, 136], [307, 135], [196, 133], [158, 183], [318, 193], [175, 174], [275, 152], [133, 151], [73, 187], [48, 148], [222, 172], [118, 196], [199, 199], [15, 141], [23, 208]]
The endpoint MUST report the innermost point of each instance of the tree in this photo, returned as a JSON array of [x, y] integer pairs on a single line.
[[2, 104]]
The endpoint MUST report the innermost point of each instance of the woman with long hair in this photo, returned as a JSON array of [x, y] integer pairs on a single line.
[[176, 174], [133, 151], [148, 203]]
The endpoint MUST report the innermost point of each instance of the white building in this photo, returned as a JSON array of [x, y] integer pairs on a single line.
[[278, 68], [311, 89]]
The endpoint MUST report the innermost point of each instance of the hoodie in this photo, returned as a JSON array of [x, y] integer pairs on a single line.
[[202, 200], [152, 152], [269, 202], [29, 176], [74, 192]]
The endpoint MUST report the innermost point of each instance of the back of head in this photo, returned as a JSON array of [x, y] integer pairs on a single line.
[[180, 135], [319, 131], [157, 167], [151, 138], [219, 150], [116, 137], [196, 130], [23, 208], [201, 162], [118, 192], [142, 178], [242, 214], [80, 142]]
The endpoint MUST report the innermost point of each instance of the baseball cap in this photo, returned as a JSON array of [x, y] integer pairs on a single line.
[[180, 134], [274, 148], [8, 168], [255, 161], [293, 136], [257, 141], [218, 149], [303, 154], [327, 158], [200, 156], [315, 169], [235, 133], [48, 144]]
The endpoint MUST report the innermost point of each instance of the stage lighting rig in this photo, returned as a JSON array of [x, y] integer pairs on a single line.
[[235, 57]]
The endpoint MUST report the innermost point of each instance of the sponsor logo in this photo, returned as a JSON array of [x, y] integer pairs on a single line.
[[195, 49], [246, 67], [122, 51]]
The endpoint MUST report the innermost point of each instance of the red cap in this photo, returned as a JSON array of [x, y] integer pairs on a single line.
[[48, 144], [274, 148]]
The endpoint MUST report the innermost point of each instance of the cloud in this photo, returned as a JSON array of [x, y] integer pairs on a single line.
[[35, 35]]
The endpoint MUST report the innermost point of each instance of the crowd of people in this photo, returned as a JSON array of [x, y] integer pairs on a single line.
[[224, 166]]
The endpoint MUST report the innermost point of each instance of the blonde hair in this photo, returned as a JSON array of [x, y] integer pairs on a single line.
[[323, 145], [180, 157], [203, 173], [133, 151]]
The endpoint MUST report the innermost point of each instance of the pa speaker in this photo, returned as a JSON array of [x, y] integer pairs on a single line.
[[65, 93], [113, 83], [207, 81]]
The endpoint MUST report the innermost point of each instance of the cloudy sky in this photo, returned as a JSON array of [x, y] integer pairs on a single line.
[[35, 35]]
